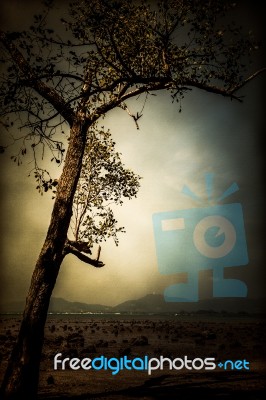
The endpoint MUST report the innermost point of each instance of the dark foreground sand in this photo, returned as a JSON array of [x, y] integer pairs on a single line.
[[235, 338]]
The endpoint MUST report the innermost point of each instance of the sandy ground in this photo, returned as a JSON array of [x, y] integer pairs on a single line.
[[240, 338]]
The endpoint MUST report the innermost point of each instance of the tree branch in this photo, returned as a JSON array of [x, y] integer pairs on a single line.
[[73, 250], [55, 75], [222, 91], [118, 55], [135, 92], [237, 87], [80, 246], [33, 81], [212, 89], [157, 83]]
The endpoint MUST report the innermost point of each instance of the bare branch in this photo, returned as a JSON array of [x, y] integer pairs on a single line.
[[80, 246], [148, 88], [223, 91], [73, 250], [135, 117], [99, 253], [237, 87], [213, 89]]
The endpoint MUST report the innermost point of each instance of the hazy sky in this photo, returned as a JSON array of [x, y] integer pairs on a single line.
[[211, 135]]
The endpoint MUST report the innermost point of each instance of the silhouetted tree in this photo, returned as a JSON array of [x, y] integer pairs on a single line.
[[57, 84]]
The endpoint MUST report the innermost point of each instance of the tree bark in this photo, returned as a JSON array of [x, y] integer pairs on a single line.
[[22, 374]]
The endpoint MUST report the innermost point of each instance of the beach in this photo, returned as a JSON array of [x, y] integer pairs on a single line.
[[181, 350]]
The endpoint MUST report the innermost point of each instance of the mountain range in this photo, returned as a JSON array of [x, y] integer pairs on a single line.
[[151, 303]]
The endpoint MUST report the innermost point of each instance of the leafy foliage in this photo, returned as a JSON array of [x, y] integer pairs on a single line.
[[105, 52], [101, 54], [104, 181]]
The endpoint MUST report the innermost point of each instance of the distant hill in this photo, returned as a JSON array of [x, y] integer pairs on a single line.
[[58, 305], [154, 303], [151, 303]]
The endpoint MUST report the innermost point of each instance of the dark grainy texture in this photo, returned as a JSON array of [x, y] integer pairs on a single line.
[[135, 336]]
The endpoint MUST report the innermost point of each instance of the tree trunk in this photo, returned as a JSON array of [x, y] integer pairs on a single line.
[[22, 374]]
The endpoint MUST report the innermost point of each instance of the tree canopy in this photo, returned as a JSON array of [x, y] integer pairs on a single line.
[[101, 54], [106, 52]]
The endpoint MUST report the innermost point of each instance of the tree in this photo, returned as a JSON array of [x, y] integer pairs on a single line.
[[103, 181], [54, 82]]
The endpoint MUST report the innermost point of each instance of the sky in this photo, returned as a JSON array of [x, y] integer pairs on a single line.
[[212, 134]]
